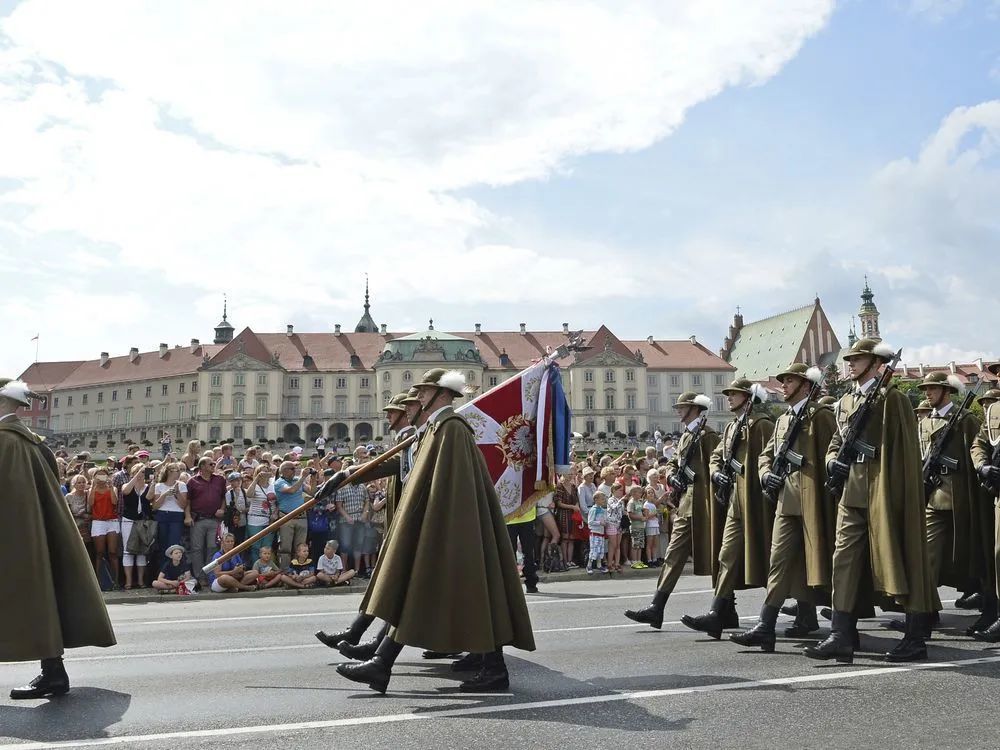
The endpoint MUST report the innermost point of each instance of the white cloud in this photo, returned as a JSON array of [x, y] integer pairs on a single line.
[[935, 10], [281, 151]]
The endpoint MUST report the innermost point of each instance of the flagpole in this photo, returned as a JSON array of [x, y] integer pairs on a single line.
[[37, 343]]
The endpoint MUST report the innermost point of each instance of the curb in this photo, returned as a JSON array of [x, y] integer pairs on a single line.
[[145, 596]]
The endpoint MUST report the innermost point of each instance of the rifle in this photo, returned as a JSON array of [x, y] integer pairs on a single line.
[[933, 458], [685, 474], [853, 446], [785, 458], [733, 468], [991, 487]]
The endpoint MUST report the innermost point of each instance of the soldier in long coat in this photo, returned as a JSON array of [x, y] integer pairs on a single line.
[[803, 535], [698, 524], [402, 411], [449, 518], [746, 536], [880, 516], [48, 579], [982, 452]]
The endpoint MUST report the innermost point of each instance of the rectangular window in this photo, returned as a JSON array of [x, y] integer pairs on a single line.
[[589, 427], [318, 383], [56, 402], [341, 405], [128, 417], [215, 407], [163, 389], [69, 401], [69, 422], [114, 395], [341, 382], [239, 379], [629, 400], [364, 406], [238, 406], [84, 421], [260, 432], [261, 406], [42, 422], [588, 376], [612, 426], [181, 408], [293, 406], [238, 432], [85, 395], [149, 391], [675, 380], [163, 414], [493, 380], [652, 381], [100, 419], [630, 376], [194, 386], [293, 384], [654, 404], [609, 376], [365, 381], [316, 407], [696, 380], [100, 397], [194, 413], [720, 403], [262, 379], [147, 414], [609, 401], [128, 394], [719, 380], [588, 401], [181, 387], [216, 380]]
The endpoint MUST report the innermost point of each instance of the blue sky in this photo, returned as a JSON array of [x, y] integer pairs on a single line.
[[649, 170]]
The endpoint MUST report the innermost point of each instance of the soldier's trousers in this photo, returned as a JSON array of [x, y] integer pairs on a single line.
[[850, 556], [940, 542], [786, 578], [730, 555], [678, 553], [996, 546]]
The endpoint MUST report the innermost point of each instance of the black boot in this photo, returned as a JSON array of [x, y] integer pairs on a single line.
[[805, 621], [988, 617], [990, 635], [761, 634], [792, 610], [826, 613], [901, 626], [913, 646], [651, 615], [468, 663], [730, 617], [363, 651], [352, 634], [376, 671], [52, 681], [839, 644], [971, 600], [492, 676], [440, 654], [710, 623]]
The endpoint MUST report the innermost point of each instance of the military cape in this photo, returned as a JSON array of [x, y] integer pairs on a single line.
[[447, 579], [49, 581], [707, 519], [755, 511]]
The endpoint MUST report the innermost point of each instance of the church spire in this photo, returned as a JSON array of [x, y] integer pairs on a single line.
[[224, 331], [868, 314], [366, 324]]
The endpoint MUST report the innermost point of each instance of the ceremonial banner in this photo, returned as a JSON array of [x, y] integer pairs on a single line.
[[522, 428]]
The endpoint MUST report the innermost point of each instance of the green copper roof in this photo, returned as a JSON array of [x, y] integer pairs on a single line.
[[767, 346]]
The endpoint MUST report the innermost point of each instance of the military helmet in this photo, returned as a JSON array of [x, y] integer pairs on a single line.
[[395, 403], [747, 388], [17, 390], [827, 401], [994, 368], [690, 398], [410, 397], [943, 379], [449, 380], [872, 348], [993, 394], [924, 405], [800, 370]]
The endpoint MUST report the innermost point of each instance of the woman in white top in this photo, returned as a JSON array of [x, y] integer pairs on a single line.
[[169, 497], [261, 508]]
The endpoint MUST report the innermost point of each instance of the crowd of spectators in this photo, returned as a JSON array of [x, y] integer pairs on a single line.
[[157, 521]]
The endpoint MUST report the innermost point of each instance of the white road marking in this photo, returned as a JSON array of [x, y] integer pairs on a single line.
[[243, 618], [277, 729]]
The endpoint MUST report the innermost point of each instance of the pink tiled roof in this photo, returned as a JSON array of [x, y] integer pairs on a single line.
[[147, 366], [44, 376]]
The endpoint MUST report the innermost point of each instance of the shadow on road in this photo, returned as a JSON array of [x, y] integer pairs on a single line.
[[85, 713]]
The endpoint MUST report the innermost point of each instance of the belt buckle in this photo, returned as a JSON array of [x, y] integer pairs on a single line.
[[860, 458]]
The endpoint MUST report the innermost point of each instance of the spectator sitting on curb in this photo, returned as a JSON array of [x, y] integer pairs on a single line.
[[268, 572], [231, 575], [301, 573], [330, 568], [175, 572]]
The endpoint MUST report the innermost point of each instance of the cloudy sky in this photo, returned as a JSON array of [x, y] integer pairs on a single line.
[[650, 165]]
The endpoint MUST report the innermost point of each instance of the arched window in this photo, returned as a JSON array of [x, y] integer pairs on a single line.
[[407, 376]]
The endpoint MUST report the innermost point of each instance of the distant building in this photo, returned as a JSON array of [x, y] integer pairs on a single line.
[[295, 386]]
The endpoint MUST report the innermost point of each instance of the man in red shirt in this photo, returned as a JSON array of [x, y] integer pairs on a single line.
[[206, 507]]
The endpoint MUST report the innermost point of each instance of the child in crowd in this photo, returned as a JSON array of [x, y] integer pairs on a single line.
[[232, 575], [301, 573], [267, 570], [597, 520], [637, 525], [615, 511], [176, 572], [652, 514], [330, 568]]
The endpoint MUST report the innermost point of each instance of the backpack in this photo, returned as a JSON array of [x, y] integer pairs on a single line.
[[553, 562]]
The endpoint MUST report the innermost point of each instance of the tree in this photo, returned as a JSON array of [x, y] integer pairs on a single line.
[[835, 385], [247, 442], [602, 436], [378, 438], [93, 444], [644, 435], [910, 389]]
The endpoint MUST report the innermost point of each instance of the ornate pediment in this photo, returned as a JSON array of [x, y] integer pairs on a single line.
[[609, 358], [241, 361]]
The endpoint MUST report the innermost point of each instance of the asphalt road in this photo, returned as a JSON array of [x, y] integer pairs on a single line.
[[247, 673]]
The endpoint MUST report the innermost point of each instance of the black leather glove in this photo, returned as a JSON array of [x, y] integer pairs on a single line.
[[721, 480], [773, 483], [678, 485], [837, 469], [332, 484], [990, 474]]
